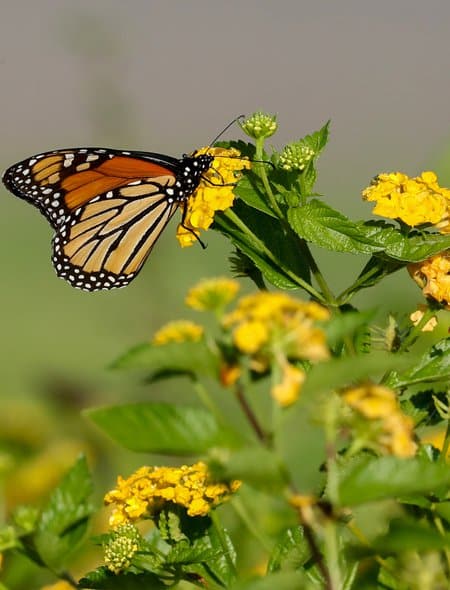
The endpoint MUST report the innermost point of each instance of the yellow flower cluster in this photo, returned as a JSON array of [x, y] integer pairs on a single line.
[[214, 193], [413, 200], [379, 403], [276, 319], [212, 294], [433, 276], [178, 331], [150, 489], [276, 327]]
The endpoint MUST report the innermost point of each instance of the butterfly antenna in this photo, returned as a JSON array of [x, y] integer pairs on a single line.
[[226, 129]]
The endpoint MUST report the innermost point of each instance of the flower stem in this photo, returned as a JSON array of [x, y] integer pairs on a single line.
[[206, 399], [231, 216], [250, 415], [330, 527], [259, 155], [416, 330]]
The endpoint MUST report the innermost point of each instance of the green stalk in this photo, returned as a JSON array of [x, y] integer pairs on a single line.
[[206, 400], [416, 330], [259, 155], [331, 538], [303, 245], [231, 216]]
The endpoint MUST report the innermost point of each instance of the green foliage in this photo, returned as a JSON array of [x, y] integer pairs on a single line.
[[163, 428], [378, 505]]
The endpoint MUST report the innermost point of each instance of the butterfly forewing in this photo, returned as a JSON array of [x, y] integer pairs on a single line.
[[108, 207]]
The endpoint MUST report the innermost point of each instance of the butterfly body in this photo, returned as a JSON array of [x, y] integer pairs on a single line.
[[107, 207]]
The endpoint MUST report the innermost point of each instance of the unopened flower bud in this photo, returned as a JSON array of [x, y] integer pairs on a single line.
[[260, 125]]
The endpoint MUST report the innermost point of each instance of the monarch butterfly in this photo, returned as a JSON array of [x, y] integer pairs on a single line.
[[107, 207]]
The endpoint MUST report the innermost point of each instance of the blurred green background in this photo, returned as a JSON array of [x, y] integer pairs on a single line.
[[167, 76]]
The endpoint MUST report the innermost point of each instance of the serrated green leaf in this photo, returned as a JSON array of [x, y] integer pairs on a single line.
[[163, 428], [275, 253], [390, 477], [63, 521], [317, 140], [182, 358], [218, 569], [433, 366], [291, 552], [251, 191], [322, 225], [407, 248]]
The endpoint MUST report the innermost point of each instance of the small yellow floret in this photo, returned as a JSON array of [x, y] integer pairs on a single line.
[[214, 192], [212, 294], [178, 331], [288, 391], [415, 201], [149, 489], [433, 276]]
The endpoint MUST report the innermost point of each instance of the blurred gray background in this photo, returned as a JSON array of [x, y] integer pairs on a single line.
[[167, 76]]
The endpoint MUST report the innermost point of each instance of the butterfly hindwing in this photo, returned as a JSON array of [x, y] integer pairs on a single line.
[[107, 207], [104, 243]]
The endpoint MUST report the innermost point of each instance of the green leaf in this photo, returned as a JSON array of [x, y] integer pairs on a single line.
[[340, 372], [390, 477], [274, 252], [63, 521], [433, 366], [188, 358], [413, 247], [250, 189], [373, 272], [103, 579], [317, 140], [218, 568], [409, 535], [291, 552], [322, 225], [162, 428]]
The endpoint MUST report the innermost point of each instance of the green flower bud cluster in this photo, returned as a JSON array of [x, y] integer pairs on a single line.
[[121, 547], [295, 156], [259, 125]]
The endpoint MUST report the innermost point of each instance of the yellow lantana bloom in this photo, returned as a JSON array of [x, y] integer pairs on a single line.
[[149, 489], [433, 276], [214, 192], [415, 201], [378, 403], [178, 331], [288, 391], [212, 294]]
